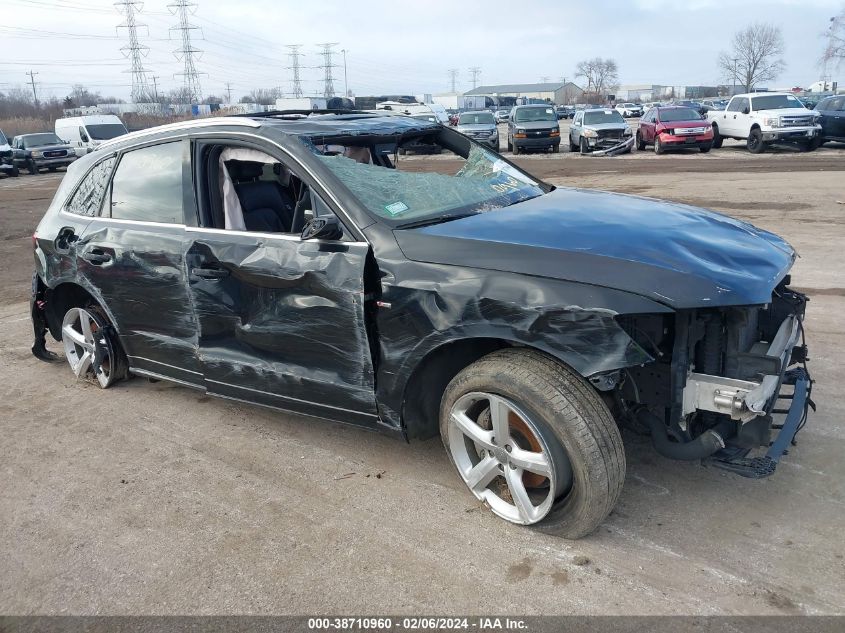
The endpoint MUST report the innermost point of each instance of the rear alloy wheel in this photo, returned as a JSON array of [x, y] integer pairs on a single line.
[[534, 442], [90, 349], [755, 142]]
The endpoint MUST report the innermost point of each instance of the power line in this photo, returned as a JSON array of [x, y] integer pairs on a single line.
[[475, 71], [544, 79], [294, 66], [328, 80], [32, 80], [453, 76], [134, 50], [190, 76]]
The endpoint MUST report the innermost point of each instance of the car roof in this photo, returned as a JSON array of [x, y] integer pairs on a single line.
[[293, 122], [477, 112]]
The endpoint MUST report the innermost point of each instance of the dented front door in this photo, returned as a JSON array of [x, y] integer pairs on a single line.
[[281, 321]]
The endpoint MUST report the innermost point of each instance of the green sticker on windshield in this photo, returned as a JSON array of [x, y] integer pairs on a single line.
[[396, 208]]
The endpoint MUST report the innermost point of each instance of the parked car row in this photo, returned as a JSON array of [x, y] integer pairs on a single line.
[[73, 137]]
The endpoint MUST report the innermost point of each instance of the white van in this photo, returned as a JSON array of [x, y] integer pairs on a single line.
[[85, 133]]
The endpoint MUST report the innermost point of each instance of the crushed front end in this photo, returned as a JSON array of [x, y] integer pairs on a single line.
[[726, 382]]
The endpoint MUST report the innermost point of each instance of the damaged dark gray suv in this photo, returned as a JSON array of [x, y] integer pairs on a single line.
[[296, 260]]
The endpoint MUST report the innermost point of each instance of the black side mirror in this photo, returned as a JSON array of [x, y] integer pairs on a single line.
[[324, 228], [746, 110]]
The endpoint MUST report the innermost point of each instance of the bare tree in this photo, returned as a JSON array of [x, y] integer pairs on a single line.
[[834, 51], [81, 96], [601, 75], [755, 55]]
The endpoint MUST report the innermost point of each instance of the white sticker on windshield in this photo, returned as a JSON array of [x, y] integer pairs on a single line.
[[549, 111], [396, 208], [608, 111]]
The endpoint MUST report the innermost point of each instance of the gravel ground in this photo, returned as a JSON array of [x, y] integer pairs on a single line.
[[152, 498]]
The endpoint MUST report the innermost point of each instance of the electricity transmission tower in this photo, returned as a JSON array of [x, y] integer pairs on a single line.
[[453, 76], [328, 80], [475, 71], [134, 51], [294, 66], [190, 76]]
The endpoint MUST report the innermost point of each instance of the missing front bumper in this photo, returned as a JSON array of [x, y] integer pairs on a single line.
[[736, 460], [744, 400]]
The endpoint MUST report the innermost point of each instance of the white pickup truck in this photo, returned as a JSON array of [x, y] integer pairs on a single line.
[[763, 118]]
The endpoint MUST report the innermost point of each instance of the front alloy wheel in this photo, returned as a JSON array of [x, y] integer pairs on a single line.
[[504, 459], [89, 349], [533, 441]]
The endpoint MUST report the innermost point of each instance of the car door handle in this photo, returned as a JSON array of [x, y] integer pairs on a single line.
[[210, 273], [96, 257]]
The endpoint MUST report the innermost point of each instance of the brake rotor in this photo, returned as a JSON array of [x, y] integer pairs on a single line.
[[526, 440], [523, 438]]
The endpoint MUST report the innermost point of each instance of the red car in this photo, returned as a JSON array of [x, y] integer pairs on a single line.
[[674, 127]]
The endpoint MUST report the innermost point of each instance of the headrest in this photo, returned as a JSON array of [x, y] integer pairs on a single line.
[[242, 170]]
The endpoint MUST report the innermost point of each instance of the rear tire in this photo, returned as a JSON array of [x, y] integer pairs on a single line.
[[755, 143], [559, 417], [91, 346], [516, 150], [717, 138]]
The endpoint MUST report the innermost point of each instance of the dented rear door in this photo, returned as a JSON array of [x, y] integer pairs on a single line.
[[281, 321]]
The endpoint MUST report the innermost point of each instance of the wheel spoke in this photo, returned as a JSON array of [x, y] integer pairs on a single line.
[[519, 494], [74, 336], [83, 365], [499, 411], [480, 475], [85, 326], [531, 461], [474, 432]]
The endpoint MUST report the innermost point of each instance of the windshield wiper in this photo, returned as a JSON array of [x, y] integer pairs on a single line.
[[439, 219]]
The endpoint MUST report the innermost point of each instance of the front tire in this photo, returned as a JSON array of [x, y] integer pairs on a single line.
[[533, 441], [658, 146], [640, 142], [755, 143], [91, 346], [585, 147], [32, 168], [704, 149]]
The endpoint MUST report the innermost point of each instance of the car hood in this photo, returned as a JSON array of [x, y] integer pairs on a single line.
[[49, 148], [681, 256], [700, 123], [784, 112], [606, 126], [477, 127]]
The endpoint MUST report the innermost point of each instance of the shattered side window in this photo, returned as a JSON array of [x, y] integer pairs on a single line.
[[483, 183], [89, 196]]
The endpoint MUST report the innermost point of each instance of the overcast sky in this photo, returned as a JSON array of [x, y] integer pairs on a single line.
[[400, 47]]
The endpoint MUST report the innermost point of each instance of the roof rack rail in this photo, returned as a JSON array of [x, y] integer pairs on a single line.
[[274, 113]]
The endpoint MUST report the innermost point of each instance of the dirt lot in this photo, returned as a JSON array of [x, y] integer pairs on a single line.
[[152, 498]]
